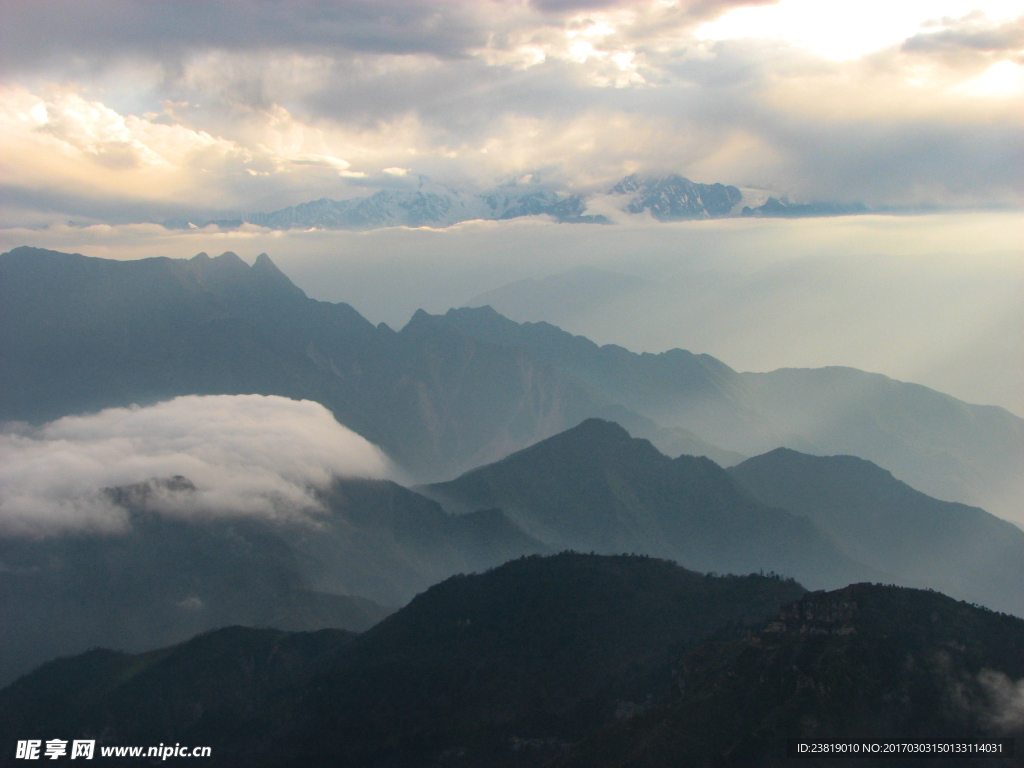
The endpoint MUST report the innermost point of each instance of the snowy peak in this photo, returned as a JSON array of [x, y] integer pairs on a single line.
[[674, 198], [430, 204]]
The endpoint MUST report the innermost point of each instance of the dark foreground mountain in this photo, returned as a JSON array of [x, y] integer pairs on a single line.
[[947, 448], [165, 579], [863, 663], [506, 668], [878, 520], [595, 488], [568, 660]]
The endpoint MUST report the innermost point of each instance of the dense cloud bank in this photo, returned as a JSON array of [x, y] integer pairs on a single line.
[[248, 455]]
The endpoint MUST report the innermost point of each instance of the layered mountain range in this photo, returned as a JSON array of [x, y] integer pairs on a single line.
[[430, 204], [595, 488], [362, 641], [553, 443], [828, 521], [936, 443], [448, 393], [166, 578], [566, 660]]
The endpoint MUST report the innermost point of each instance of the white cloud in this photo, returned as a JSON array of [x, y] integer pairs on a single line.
[[1002, 80], [1006, 701], [94, 150], [844, 31], [246, 455]]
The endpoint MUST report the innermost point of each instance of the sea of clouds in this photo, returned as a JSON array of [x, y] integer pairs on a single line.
[[245, 455]]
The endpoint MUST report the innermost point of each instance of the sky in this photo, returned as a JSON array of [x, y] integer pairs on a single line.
[[118, 111]]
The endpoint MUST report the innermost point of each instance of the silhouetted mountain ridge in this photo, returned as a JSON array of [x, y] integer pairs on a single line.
[[78, 334], [451, 392], [539, 649], [565, 660], [962, 551], [596, 488], [947, 448]]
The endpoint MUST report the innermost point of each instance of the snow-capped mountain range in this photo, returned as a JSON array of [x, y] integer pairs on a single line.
[[668, 198]]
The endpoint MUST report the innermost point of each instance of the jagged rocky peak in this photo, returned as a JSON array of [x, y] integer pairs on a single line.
[[230, 273], [267, 272], [229, 260], [629, 184]]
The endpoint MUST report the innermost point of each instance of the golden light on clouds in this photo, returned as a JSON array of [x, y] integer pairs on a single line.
[[796, 96], [848, 30], [1003, 80]]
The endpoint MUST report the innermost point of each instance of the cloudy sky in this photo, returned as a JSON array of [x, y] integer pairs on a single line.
[[128, 110]]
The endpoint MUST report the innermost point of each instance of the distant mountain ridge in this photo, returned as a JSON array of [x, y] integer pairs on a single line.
[[79, 334], [668, 198], [940, 445], [595, 488], [959, 550], [674, 198]]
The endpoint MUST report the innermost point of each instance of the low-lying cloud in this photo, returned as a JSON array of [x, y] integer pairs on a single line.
[[1005, 712], [245, 455]]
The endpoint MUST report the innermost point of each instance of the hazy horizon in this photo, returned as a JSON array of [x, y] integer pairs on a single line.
[[931, 299]]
